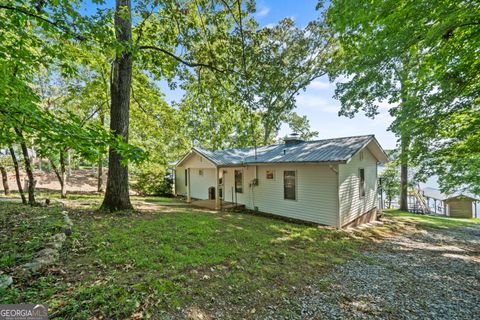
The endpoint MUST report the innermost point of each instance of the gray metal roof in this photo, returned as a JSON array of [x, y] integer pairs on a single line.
[[328, 150]]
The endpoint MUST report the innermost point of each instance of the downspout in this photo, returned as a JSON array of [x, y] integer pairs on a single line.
[[189, 197], [253, 187]]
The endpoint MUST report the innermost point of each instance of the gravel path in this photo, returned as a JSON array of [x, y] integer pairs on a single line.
[[429, 275]]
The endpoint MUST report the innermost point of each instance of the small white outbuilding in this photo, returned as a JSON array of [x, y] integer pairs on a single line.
[[331, 182]]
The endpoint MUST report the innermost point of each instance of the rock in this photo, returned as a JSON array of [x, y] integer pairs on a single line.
[[31, 267], [67, 231], [5, 281], [43, 258], [57, 240], [47, 256], [67, 221]]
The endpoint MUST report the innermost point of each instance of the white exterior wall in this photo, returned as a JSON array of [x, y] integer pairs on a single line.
[[325, 194], [199, 184], [316, 195], [351, 204], [228, 175], [180, 188]]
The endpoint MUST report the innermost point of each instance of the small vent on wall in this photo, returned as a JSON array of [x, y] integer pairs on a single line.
[[361, 155]]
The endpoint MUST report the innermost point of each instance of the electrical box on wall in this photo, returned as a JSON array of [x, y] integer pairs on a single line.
[[255, 182]]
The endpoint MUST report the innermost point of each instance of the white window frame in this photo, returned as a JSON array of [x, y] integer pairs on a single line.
[[296, 185], [362, 188]]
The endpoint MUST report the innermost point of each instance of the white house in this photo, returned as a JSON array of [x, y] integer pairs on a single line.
[[331, 182]]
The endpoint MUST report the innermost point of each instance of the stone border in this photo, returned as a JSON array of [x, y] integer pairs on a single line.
[[50, 254], [46, 256]]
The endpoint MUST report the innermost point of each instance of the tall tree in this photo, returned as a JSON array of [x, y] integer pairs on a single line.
[[117, 192], [436, 45], [276, 64]]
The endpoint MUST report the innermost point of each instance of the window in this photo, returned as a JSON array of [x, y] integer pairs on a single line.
[[186, 176], [270, 175], [200, 172], [289, 185], [239, 181], [361, 185]]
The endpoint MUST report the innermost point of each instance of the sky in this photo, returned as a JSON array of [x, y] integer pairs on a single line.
[[317, 102]]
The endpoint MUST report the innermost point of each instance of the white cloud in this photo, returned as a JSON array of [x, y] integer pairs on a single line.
[[322, 111], [263, 11], [321, 85], [313, 101]]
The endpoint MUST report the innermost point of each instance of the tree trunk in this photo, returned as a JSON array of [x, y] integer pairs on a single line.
[[100, 161], [116, 195], [6, 189], [266, 134], [61, 174], [69, 158], [28, 167], [57, 173], [404, 173], [100, 175], [17, 174]]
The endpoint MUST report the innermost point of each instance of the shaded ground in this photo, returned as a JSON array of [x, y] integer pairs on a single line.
[[168, 261], [176, 263], [432, 274]]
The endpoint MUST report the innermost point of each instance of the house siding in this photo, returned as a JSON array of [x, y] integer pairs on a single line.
[[352, 205], [180, 187], [228, 187], [199, 184], [325, 194], [316, 193]]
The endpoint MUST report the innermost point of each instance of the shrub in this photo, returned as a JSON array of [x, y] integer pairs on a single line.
[[153, 182]]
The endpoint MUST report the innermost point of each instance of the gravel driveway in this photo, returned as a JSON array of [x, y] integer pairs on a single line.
[[434, 274]]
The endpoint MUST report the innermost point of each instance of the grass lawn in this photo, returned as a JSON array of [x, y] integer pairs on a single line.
[[94, 198], [158, 264], [430, 221]]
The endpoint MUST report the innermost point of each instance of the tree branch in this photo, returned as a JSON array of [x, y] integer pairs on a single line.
[[182, 61], [52, 23]]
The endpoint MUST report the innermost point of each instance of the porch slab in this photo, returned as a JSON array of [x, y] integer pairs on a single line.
[[210, 204]]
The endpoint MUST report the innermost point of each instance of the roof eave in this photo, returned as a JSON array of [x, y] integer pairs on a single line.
[[282, 162]]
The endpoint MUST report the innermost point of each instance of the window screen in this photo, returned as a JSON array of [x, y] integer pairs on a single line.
[[362, 182], [186, 176], [289, 185], [239, 181]]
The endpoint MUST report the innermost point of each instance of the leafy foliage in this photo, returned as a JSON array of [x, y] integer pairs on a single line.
[[422, 57], [153, 181], [390, 182]]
